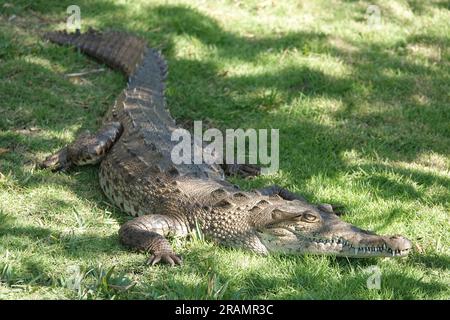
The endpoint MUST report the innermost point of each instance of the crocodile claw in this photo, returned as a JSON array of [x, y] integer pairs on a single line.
[[170, 258]]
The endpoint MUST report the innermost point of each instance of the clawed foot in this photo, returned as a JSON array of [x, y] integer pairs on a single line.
[[331, 208], [243, 170], [167, 257]]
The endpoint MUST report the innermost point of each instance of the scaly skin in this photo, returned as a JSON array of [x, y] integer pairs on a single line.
[[137, 175]]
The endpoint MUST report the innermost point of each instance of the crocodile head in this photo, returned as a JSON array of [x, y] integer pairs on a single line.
[[296, 228]]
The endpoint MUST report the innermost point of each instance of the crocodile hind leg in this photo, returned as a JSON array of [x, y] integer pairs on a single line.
[[243, 170], [147, 233], [86, 149]]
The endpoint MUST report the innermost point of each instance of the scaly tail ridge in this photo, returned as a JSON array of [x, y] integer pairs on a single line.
[[119, 50]]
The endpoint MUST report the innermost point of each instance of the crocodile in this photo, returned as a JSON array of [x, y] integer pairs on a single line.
[[133, 148]]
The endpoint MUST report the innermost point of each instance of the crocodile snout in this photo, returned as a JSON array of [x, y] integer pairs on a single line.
[[398, 243]]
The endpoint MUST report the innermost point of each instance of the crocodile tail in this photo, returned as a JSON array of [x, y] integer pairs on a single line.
[[119, 50]]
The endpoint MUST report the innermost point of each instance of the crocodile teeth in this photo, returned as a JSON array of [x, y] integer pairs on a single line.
[[356, 250]]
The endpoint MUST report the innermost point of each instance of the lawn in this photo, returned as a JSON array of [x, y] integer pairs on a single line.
[[364, 117]]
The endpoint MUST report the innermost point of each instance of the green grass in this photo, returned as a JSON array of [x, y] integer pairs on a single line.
[[364, 119]]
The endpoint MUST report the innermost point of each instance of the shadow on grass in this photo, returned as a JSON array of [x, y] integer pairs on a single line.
[[433, 261], [366, 133], [73, 245], [299, 281]]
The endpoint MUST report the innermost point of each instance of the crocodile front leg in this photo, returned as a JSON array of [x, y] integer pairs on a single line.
[[147, 233], [87, 149]]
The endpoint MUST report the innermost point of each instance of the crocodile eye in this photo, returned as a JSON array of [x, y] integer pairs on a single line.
[[308, 217]]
